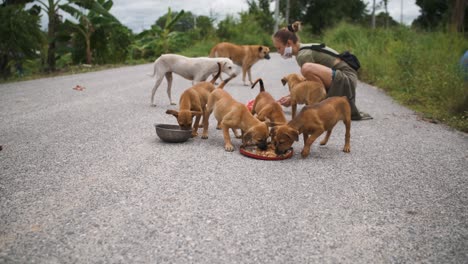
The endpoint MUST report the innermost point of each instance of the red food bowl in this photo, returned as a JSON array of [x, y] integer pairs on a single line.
[[250, 152]]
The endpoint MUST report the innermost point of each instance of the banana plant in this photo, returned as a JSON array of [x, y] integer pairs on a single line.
[[97, 15], [156, 39], [52, 7], [166, 31]]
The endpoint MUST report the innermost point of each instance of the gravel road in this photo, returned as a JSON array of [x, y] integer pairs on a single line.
[[84, 179]]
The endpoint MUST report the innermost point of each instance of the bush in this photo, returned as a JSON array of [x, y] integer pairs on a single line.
[[421, 70]]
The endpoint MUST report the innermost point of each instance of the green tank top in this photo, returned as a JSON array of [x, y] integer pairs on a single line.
[[308, 55]]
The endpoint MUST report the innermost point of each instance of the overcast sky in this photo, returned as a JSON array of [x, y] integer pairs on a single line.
[[139, 15]]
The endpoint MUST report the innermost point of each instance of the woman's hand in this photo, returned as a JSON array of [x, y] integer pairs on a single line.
[[285, 101]]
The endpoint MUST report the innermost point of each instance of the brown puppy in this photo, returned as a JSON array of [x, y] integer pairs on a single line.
[[312, 121], [242, 55], [192, 103], [234, 115], [265, 106], [303, 91]]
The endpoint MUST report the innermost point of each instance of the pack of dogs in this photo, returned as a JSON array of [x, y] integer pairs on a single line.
[[266, 122]]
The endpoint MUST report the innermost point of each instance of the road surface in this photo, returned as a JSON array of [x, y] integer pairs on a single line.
[[84, 179]]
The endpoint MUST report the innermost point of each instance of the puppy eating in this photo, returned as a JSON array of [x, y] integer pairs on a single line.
[[266, 107], [312, 121], [303, 91], [193, 103], [231, 114]]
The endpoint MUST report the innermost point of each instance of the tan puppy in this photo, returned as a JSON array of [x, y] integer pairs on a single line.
[[312, 121], [231, 114], [303, 91], [242, 55], [266, 107], [193, 103]]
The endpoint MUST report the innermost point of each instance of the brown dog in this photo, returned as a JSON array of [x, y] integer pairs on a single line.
[[266, 107], [231, 114], [303, 91], [312, 121], [242, 55], [193, 103]]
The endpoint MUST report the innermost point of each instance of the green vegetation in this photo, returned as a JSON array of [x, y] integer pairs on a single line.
[[419, 66], [419, 69]]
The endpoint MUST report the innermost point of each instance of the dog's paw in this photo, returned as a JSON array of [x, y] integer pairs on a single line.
[[347, 149], [323, 142], [204, 136], [229, 148], [172, 103], [305, 153], [194, 135]]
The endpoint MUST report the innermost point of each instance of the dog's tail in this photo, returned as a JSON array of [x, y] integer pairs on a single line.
[[154, 69], [221, 86], [262, 89], [217, 75], [213, 53]]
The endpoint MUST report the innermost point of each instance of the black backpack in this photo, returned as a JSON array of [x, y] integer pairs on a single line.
[[346, 56]]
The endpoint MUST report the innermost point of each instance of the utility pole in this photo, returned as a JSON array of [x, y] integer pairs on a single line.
[[276, 16], [287, 11], [373, 15], [401, 13]]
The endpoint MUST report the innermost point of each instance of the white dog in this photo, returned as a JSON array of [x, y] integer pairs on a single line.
[[195, 69]]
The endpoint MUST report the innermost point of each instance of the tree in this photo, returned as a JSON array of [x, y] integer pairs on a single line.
[[458, 10], [262, 14], [169, 27], [157, 40], [51, 8], [205, 27], [442, 14], [20, 33], [97, 16], [185, 21], [296, 11], [432, 13], [321, 14]]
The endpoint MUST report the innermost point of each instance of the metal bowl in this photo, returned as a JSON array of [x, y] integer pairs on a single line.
[[172, 133]]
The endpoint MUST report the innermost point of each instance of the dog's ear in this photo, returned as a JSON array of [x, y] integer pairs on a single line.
[[260, 49], [284, 81], [294, 134], [172, 112], [247, 136], [196, 113]]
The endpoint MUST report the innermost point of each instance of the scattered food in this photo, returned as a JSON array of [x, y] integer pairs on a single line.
[[79, 88]]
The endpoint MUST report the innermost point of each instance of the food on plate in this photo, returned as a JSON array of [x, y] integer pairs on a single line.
[[267, 154]]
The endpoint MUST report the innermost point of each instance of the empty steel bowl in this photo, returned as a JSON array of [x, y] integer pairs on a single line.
[[172, 133]]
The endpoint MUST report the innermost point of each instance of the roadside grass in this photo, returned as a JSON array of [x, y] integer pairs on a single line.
[[419, 69], [69, 70]]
